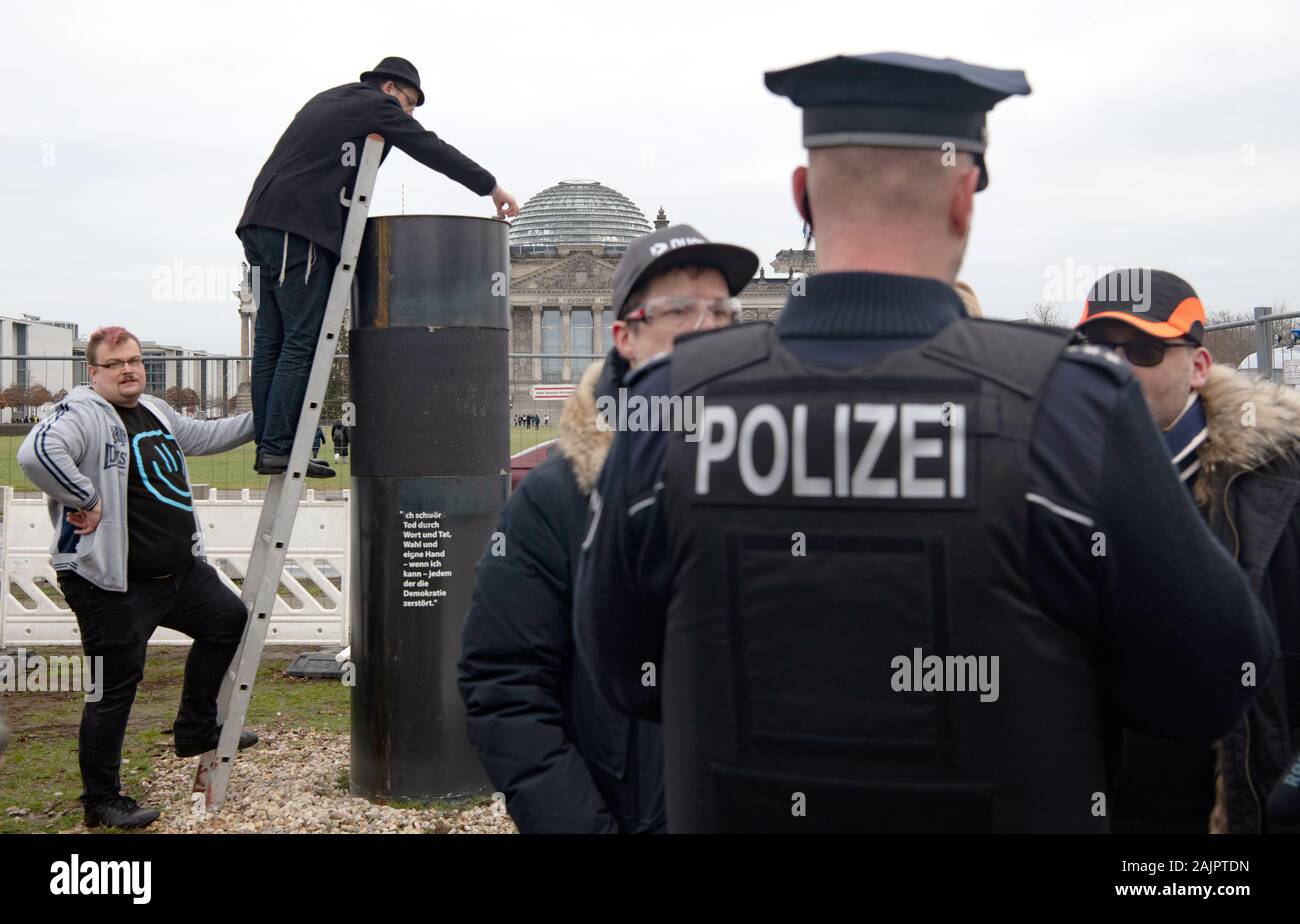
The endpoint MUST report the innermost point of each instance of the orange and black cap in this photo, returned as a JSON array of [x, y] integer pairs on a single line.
[[1157, 303]]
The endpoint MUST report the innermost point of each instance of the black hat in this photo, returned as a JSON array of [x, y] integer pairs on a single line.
[[398, 69], [678, 245], [1157, 303], [896, 100]]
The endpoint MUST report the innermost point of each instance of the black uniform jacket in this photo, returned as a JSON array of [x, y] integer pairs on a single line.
[[1166, 606]]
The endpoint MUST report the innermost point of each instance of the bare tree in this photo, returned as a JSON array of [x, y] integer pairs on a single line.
[[181, 398], [1230, 347], [37, 395], [1047, 314]]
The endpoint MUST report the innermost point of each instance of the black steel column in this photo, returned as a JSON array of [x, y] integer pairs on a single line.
[[430, 471]]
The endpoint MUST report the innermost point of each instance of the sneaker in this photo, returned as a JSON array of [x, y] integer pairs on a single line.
[[119, 812], [188, 748], [278, 465]]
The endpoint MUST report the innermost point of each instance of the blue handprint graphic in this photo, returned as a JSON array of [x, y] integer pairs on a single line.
[[162, 461]]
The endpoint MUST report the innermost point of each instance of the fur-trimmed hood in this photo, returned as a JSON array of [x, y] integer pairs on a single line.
[[1251, 424], [581, 442]]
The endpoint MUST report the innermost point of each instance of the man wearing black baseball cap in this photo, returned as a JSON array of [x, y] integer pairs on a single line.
[[673, 281], [1235, 442], [566, 760], [292, 228], [879, 477]]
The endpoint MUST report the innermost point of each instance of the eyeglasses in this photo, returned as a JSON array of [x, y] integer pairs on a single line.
[[1145, 351], [684, 311], [409, 100], [116, 365]]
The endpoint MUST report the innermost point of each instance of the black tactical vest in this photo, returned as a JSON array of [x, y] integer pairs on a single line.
[[852, 643]]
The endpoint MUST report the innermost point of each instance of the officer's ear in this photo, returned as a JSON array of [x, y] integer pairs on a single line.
[[962, 206], [799, 186]]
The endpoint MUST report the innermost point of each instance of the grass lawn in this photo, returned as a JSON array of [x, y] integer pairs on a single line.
[[40, 770], [40, 775], [234, 469]]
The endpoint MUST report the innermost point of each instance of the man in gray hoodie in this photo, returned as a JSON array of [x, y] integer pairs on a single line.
[[128, 552]]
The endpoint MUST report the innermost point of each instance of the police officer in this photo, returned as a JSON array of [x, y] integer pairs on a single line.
[[910, 562]]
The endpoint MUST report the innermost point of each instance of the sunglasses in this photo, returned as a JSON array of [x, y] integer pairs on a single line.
[[1145, 351]]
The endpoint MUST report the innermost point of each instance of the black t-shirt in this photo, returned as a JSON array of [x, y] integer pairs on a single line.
[[159, 511]]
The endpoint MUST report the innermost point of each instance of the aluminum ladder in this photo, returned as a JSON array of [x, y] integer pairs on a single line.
[[283, 493]]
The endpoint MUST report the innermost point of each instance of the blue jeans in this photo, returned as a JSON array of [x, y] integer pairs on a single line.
[[289, 316]]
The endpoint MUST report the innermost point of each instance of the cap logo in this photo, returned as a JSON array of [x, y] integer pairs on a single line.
[[659, 248]]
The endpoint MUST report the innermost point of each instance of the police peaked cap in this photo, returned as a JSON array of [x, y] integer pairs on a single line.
[[897, 100]]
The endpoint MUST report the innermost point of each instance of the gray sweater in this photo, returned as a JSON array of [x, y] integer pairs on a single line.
[[79, 455]]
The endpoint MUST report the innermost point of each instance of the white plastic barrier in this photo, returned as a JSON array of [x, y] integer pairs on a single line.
[[318, 550]]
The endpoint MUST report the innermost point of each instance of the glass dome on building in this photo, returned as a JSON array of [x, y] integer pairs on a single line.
[[576, 212]]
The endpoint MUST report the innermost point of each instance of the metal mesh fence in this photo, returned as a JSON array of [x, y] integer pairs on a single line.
[[203, 387]]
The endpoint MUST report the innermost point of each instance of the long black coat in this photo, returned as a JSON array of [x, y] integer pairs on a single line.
[[1250, 490], [567, 761], [298, 187]]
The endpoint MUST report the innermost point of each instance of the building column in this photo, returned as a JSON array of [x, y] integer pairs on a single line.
[[597, 329], [536, 345], [245, 345], [566, 344]]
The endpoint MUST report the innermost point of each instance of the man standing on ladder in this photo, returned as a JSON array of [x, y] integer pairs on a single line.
[[293, 224]]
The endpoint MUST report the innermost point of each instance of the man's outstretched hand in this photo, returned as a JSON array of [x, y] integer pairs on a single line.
[[86, 521], [505, 203]]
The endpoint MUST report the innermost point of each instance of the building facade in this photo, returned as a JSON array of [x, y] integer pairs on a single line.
[[26, 384], [564, 247], [184, 378]]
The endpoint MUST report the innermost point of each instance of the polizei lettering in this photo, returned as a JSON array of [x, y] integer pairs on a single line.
[[890, 453]]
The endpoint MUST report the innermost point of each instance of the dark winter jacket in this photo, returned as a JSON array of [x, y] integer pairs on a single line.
[[1247, 485], [1249, 488], [567, 761], [317, 158]]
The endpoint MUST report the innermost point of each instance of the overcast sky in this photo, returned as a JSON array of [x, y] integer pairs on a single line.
[[1163, 134]]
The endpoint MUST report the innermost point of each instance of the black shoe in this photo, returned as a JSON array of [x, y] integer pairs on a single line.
[[119, 812], [189, 748], [278, 465]]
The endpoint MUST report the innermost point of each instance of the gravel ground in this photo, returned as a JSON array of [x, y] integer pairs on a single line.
[[289, 783]]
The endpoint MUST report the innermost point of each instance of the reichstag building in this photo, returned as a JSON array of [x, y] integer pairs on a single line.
[[564, 246]]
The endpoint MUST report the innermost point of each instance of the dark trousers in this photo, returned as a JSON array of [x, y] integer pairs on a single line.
[[289, 316], [116, 626]]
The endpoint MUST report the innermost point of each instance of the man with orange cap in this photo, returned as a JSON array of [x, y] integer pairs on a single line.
[[1235, 442]]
